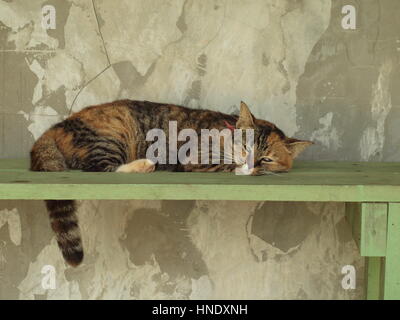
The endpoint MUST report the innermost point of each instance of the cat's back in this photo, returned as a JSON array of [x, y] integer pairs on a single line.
[[147, 114], [129, 109], [102, 112]]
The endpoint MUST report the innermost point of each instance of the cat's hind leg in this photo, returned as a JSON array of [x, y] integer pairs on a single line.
[[137, 166]]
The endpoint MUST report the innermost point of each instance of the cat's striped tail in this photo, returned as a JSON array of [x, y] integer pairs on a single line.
[[64, 223], [45, 156]]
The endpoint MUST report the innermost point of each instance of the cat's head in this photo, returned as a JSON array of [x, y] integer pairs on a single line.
[[273, 151]]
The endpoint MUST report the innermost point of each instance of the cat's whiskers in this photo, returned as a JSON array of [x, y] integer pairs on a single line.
[[267, 172]]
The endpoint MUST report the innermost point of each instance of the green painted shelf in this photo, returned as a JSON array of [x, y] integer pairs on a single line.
[[308, 181]]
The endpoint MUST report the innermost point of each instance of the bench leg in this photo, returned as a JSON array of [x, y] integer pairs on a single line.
[[369, 226], [374, 275], [392, 264]]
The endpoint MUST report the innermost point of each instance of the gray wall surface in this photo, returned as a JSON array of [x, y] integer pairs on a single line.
[[294, 65]]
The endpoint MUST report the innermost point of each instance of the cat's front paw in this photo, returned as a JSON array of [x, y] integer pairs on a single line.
[[138, 166], [147, 166], [245, 170]]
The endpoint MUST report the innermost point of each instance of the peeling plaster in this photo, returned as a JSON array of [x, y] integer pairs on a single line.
[[372, 141], [11, 217], [25, 16], [326, 135], [41, 119]]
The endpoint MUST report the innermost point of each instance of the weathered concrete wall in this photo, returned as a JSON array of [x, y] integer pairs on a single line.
[[291, 61]]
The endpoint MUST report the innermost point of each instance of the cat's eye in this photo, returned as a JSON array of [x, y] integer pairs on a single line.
[[266, 159]]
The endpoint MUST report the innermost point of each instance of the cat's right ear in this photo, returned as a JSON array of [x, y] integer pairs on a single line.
[[246, 119]]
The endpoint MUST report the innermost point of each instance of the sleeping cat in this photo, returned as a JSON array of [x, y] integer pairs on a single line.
[[112, 138]]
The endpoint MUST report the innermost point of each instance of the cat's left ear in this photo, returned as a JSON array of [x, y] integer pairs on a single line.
[[296, 146], [246, 119]]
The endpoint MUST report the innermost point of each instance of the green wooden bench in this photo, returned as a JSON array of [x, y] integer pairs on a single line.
[[371, 192]]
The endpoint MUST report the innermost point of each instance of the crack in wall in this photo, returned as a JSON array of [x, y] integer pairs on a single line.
[[216, 34], [248, 225], [101, 72], [85, 85], [100, 33]]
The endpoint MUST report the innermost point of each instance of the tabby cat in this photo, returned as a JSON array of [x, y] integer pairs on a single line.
[[112, 137]]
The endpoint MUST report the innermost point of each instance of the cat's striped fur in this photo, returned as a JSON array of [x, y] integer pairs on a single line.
[[112, 137]]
